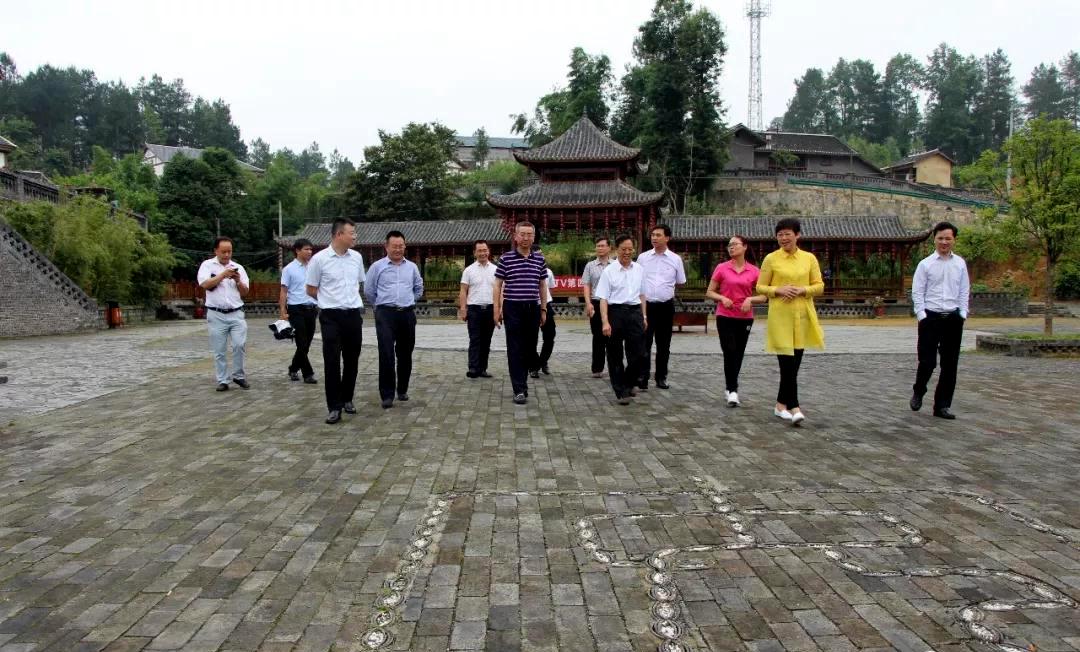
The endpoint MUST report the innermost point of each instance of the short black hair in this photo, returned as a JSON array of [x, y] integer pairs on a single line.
[[395, 234], [603, 238], [663, 227], [619, 239], [946, 226], [788, 223], [300, 243], [481, 242], [339, 225], [525, 223], [222, 238]]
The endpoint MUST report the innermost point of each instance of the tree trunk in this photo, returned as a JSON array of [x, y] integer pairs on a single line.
[[1048, 318]]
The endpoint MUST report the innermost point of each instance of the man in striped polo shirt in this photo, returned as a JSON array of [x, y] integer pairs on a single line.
[[520, 297]]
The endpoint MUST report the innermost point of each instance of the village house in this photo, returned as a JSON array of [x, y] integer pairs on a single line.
[[158, 155], [767, 150], [932, 167]]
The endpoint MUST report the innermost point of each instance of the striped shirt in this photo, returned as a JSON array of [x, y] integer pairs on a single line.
[[521, 275]]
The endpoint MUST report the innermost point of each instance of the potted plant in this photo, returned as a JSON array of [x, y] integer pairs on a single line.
[[878, 305]]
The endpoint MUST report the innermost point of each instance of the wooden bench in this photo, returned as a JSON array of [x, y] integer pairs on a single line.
[[691, 319]]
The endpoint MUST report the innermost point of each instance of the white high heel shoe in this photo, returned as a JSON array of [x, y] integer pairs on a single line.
[[783, 414]]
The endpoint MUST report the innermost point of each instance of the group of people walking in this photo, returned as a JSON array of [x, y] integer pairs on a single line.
[[630, 305]]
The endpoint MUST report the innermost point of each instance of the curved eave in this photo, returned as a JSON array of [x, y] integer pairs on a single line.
[[522, 157]]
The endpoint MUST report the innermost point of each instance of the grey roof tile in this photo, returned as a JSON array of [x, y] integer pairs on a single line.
[[495, 142], [583, 142], [576, 194], [6, 145], [416, 232], [833, 227], [918, 156], [165, 153]]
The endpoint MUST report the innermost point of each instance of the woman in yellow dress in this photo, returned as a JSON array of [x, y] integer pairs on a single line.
[[791, 278]]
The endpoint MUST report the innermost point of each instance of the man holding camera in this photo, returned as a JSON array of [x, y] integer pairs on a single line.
[[225, 283]]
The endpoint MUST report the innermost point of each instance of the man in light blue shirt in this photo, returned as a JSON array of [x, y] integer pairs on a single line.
[[334, 276], [394, 286], [300, 309]]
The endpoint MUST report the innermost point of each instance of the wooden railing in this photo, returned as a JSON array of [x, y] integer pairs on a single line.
[[190, 290]]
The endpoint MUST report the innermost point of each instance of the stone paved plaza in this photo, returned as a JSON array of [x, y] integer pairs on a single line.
[[141, 510]]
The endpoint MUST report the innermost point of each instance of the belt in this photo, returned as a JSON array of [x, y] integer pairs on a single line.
[[342, 309], [303, 306], [224, 310], [394, 308], [624, 306], [481, 306]]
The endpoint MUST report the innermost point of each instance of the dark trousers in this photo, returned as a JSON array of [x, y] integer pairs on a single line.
[[521, 319], [302, 318], [734, 333], [342, 334], [627, 331], [481, 322], [661, 316], [599, 340], [547, 333], [939, 333], [396, 332], [789, 379]]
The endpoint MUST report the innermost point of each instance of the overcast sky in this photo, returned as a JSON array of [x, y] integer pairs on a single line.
[[337, 72]]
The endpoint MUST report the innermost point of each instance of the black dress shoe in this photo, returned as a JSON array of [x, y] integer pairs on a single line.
[[520, 399], [471, 374], [349, 408], [643, 386], [662, 384], [310, 380], [403, 396], [387, 403], [944, 413], [534, 374], [294, 375], [624, 400], [223, 387], [547, 372], [242, 383], [334, 416], [484, 374], [915, 402]]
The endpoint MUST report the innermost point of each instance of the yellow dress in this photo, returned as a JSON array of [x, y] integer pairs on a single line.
[[792, 324]]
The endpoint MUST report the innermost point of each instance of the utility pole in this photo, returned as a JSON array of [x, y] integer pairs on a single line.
[[280, 233], [755, 11], [1008, 165]]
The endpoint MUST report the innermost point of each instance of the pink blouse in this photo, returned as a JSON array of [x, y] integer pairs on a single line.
[[736, 286]]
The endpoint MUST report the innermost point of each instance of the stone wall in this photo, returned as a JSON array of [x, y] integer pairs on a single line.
[[36, 297], [999, 304], [775, 195]]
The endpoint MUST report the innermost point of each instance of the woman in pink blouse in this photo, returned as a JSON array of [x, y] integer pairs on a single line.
[[732, 288]]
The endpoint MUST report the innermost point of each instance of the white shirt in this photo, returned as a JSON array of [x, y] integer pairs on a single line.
[[550, 284], [225, 295], [293, 278], [941, 284], [621, 285], [337, 277], [662, 273], [481, 282]]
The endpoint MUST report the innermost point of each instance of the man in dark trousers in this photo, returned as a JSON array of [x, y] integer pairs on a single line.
[[589, 279], [623, 313], [299, 309], [663, 271], [520, 298], [475, 308], [394, 286], [334, 276], [939, 292], [547, 331]]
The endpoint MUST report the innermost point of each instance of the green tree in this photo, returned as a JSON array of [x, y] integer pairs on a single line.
[[810, 110], [29, 155], [211, 125], [953, 83], [986, 173], [170, 102], [994, 102], [198, 195], [1070, 74], [670, 105], [259, 154], [854, 90], [899, 117], [311, 161], [480, 148], [1045, 93], [586, 94], [108, 255], [341, 168], [1045, 200], [405, 175], [880, 154]]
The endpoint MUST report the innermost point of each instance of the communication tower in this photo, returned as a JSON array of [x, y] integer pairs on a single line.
[[755, 11]]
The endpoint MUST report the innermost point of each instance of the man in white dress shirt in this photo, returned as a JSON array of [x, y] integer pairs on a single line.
[[334, 276], [939, 292], [476, 307], [663, 271], [225, 282], [623, 314]]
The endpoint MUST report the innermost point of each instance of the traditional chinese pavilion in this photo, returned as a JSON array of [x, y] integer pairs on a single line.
[[582, 187]]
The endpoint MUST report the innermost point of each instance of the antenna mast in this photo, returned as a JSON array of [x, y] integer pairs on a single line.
[[755, 11]]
